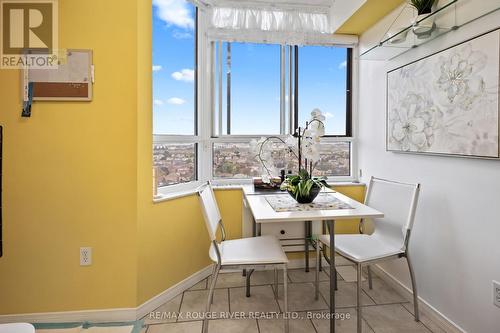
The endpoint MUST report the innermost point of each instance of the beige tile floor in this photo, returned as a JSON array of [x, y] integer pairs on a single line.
[[384, 310]]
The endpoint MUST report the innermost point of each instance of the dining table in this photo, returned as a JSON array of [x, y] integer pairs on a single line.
[[271, 208]]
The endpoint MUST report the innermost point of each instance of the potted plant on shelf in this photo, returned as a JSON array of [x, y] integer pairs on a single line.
[[302, 146], [424, 8]]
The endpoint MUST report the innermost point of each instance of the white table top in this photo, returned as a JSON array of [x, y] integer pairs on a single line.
[[264, 213]]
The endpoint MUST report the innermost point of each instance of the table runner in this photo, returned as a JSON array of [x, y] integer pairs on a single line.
[[324, 201]]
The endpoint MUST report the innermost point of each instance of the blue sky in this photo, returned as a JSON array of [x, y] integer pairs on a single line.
[[255, 76]]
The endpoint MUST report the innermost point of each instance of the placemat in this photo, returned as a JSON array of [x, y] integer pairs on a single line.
[[324, 201]]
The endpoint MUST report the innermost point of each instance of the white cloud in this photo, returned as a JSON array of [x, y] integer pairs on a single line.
[[328, 115], [186, 75], [175, 12], [158, 102], [343, 64], [157, 68], [181, 35], [176, 101]]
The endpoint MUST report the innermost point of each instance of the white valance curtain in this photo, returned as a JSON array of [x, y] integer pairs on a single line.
[[260, 22], [270, 20]]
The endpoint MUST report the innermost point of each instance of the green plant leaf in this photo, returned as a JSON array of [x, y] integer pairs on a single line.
[[421, 5]]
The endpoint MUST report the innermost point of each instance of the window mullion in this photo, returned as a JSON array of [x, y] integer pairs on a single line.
[[228, 86], [282, 89], [219, 61], [211, 52], [291, 127], [349, 93], [296, 89], [175, 138]]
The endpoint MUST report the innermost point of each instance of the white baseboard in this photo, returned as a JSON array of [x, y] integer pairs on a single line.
[[165, 296], [105, 315], [444, 322], [110, 315], [127, 314]]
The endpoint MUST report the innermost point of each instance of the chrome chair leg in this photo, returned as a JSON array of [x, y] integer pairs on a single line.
[[358, 297], [316, 280], [211, 279], [336, 287], [247, 282], [369, 269], [285, 299], [276, 281], [210, 297], [414, 288]]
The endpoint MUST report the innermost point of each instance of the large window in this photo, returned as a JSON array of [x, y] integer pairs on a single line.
[[202, 128], [249, 77], [175, 147], [323, 83], [266, 89]]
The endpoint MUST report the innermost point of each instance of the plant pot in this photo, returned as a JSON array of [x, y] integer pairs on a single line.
[[423, 29], [313, 193]]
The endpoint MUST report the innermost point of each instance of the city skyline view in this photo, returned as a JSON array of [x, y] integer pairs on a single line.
[[176, 163]]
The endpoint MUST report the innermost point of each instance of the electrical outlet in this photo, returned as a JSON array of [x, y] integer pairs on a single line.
[[496, 293], [85, 256]]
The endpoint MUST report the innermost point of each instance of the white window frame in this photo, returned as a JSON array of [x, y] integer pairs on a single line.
[[175, 190], [285, 114], [205, 117]]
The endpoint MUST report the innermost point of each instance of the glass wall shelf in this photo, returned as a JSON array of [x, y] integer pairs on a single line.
[[409, 31]]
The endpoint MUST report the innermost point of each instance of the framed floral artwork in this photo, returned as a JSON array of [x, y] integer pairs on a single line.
[[448, 102]]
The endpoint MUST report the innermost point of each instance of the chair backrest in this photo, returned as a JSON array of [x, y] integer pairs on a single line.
[[398, 202], [210, 210]]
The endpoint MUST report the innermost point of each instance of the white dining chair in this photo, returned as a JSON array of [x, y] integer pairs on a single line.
[[390, 240], [17, 328], [244, 253]]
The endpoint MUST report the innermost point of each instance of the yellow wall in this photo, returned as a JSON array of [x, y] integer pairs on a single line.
[[356, 192], [367, 15], [70, 175], [80, 174]]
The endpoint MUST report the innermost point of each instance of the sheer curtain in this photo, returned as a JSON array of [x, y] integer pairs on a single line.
[[270, 22]]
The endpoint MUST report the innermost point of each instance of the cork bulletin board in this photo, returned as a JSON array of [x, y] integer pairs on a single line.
[[71, 81]]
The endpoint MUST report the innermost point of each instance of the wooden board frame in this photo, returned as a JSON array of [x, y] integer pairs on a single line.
[[65, 91]]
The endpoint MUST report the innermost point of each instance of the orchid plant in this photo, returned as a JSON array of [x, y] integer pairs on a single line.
[[304, 146]]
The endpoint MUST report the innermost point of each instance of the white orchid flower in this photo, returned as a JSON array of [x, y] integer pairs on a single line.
[[309, 133], [316, 112], [311, 154], [266, 179], [290, 141]]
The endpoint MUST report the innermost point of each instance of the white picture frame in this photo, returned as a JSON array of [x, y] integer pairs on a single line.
[[447, 103]]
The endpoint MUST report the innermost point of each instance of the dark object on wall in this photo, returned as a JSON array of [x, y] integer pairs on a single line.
[[27, 104], [1, 155]]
